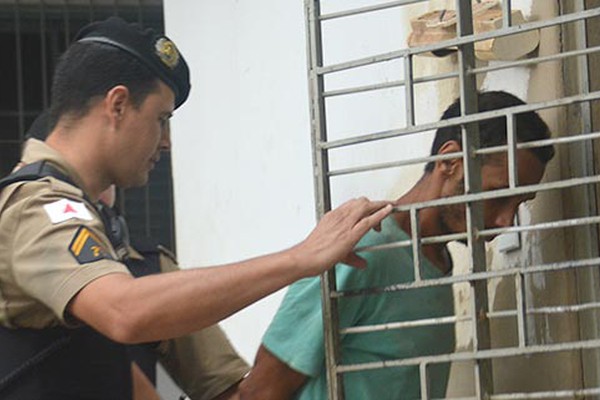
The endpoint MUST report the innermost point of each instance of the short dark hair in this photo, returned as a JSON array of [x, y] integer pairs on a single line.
[[89, 70], [492, 132]]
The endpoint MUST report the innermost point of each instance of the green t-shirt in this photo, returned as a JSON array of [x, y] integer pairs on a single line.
[[296, 334]]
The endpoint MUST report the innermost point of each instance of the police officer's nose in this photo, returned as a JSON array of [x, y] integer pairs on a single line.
[[165, 139]]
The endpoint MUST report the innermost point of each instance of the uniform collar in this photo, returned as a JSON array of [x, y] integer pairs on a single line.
[[36, 150]]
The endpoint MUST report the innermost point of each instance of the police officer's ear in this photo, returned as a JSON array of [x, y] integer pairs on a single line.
[[449, 167], [116, 102]]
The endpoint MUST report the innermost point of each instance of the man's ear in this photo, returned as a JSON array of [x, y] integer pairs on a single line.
[[116, 102], [449, 166]]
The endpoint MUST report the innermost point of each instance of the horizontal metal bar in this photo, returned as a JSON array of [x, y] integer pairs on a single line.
[[368, 9], [471, 277], [536, 60], [494, 194], [482, 116], [462, 236], [393, 164], [569, 223], [450, 75], [469, 355], [403, 324], [459, 41], [453, 319], [545, 142], [486, 232], [486, 150], [555, 394]]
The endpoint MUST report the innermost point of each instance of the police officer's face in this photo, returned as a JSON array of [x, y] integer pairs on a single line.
[[145, 133], [499, 212]]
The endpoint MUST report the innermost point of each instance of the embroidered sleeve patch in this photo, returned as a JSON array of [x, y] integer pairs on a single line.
[[86, 247], [65, 209]]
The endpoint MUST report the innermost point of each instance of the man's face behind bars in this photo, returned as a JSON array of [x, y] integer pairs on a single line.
[[498, 212]]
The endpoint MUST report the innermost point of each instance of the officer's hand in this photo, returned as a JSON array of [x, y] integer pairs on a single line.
[[337, 233]]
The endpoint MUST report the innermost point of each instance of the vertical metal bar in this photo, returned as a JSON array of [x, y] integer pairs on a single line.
[[480, 389], [19, 62], [67, 23], [322, 193], [511, 140], [588, 239], [44, 52], [140, 13], [521, 308], [424, 381], [474, 210], [506, 14], [415, 231], [91, 16], [409, 90]]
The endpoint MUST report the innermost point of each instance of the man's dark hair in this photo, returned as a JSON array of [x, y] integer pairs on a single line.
[[492, 132], [87, 71]]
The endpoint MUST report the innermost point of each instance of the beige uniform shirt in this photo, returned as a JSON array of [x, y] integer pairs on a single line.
[[52, 244], [204, 364]]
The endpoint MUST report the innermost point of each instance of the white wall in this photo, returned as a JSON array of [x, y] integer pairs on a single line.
[[241, 144], [242, 166]]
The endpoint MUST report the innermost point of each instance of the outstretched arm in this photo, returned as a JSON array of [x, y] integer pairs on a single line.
[[270, 379], [173, 304]]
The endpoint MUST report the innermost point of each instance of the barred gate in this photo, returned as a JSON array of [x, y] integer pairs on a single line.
[[543, 320]]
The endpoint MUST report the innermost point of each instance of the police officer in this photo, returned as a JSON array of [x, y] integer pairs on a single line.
[[62, 288]]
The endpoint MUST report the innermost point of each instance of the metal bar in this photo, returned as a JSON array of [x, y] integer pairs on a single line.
[[490, 315], [569, 223], [402, 325], [521, 190], [476, 71], [424, 382], [573, 264], [506, 14], [563, 19], [473, 355], [415, 231], [368, 9], [536, 60], [481, 116], [335, 383], [19, 62], [557, 394], [521, 307], [449, 156], [67, 23], [44, 64], [474, 210], [511, 142], [587, 239], [409, 91]]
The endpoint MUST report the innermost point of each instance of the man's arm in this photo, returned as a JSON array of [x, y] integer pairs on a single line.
[[270, 379], [168, 305]]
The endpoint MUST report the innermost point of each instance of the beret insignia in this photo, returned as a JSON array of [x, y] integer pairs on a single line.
[[167, 52], [86, 247]]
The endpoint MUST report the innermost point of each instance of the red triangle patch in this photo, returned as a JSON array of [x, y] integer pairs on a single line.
[[69, 209]]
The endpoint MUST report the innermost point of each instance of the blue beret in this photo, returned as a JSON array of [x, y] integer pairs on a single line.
[[155, 51]]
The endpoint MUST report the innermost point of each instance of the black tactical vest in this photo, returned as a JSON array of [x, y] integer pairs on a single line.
[[72, 364]]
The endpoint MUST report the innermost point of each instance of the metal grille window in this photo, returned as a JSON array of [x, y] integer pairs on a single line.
[[526, 312], [33, 34]]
